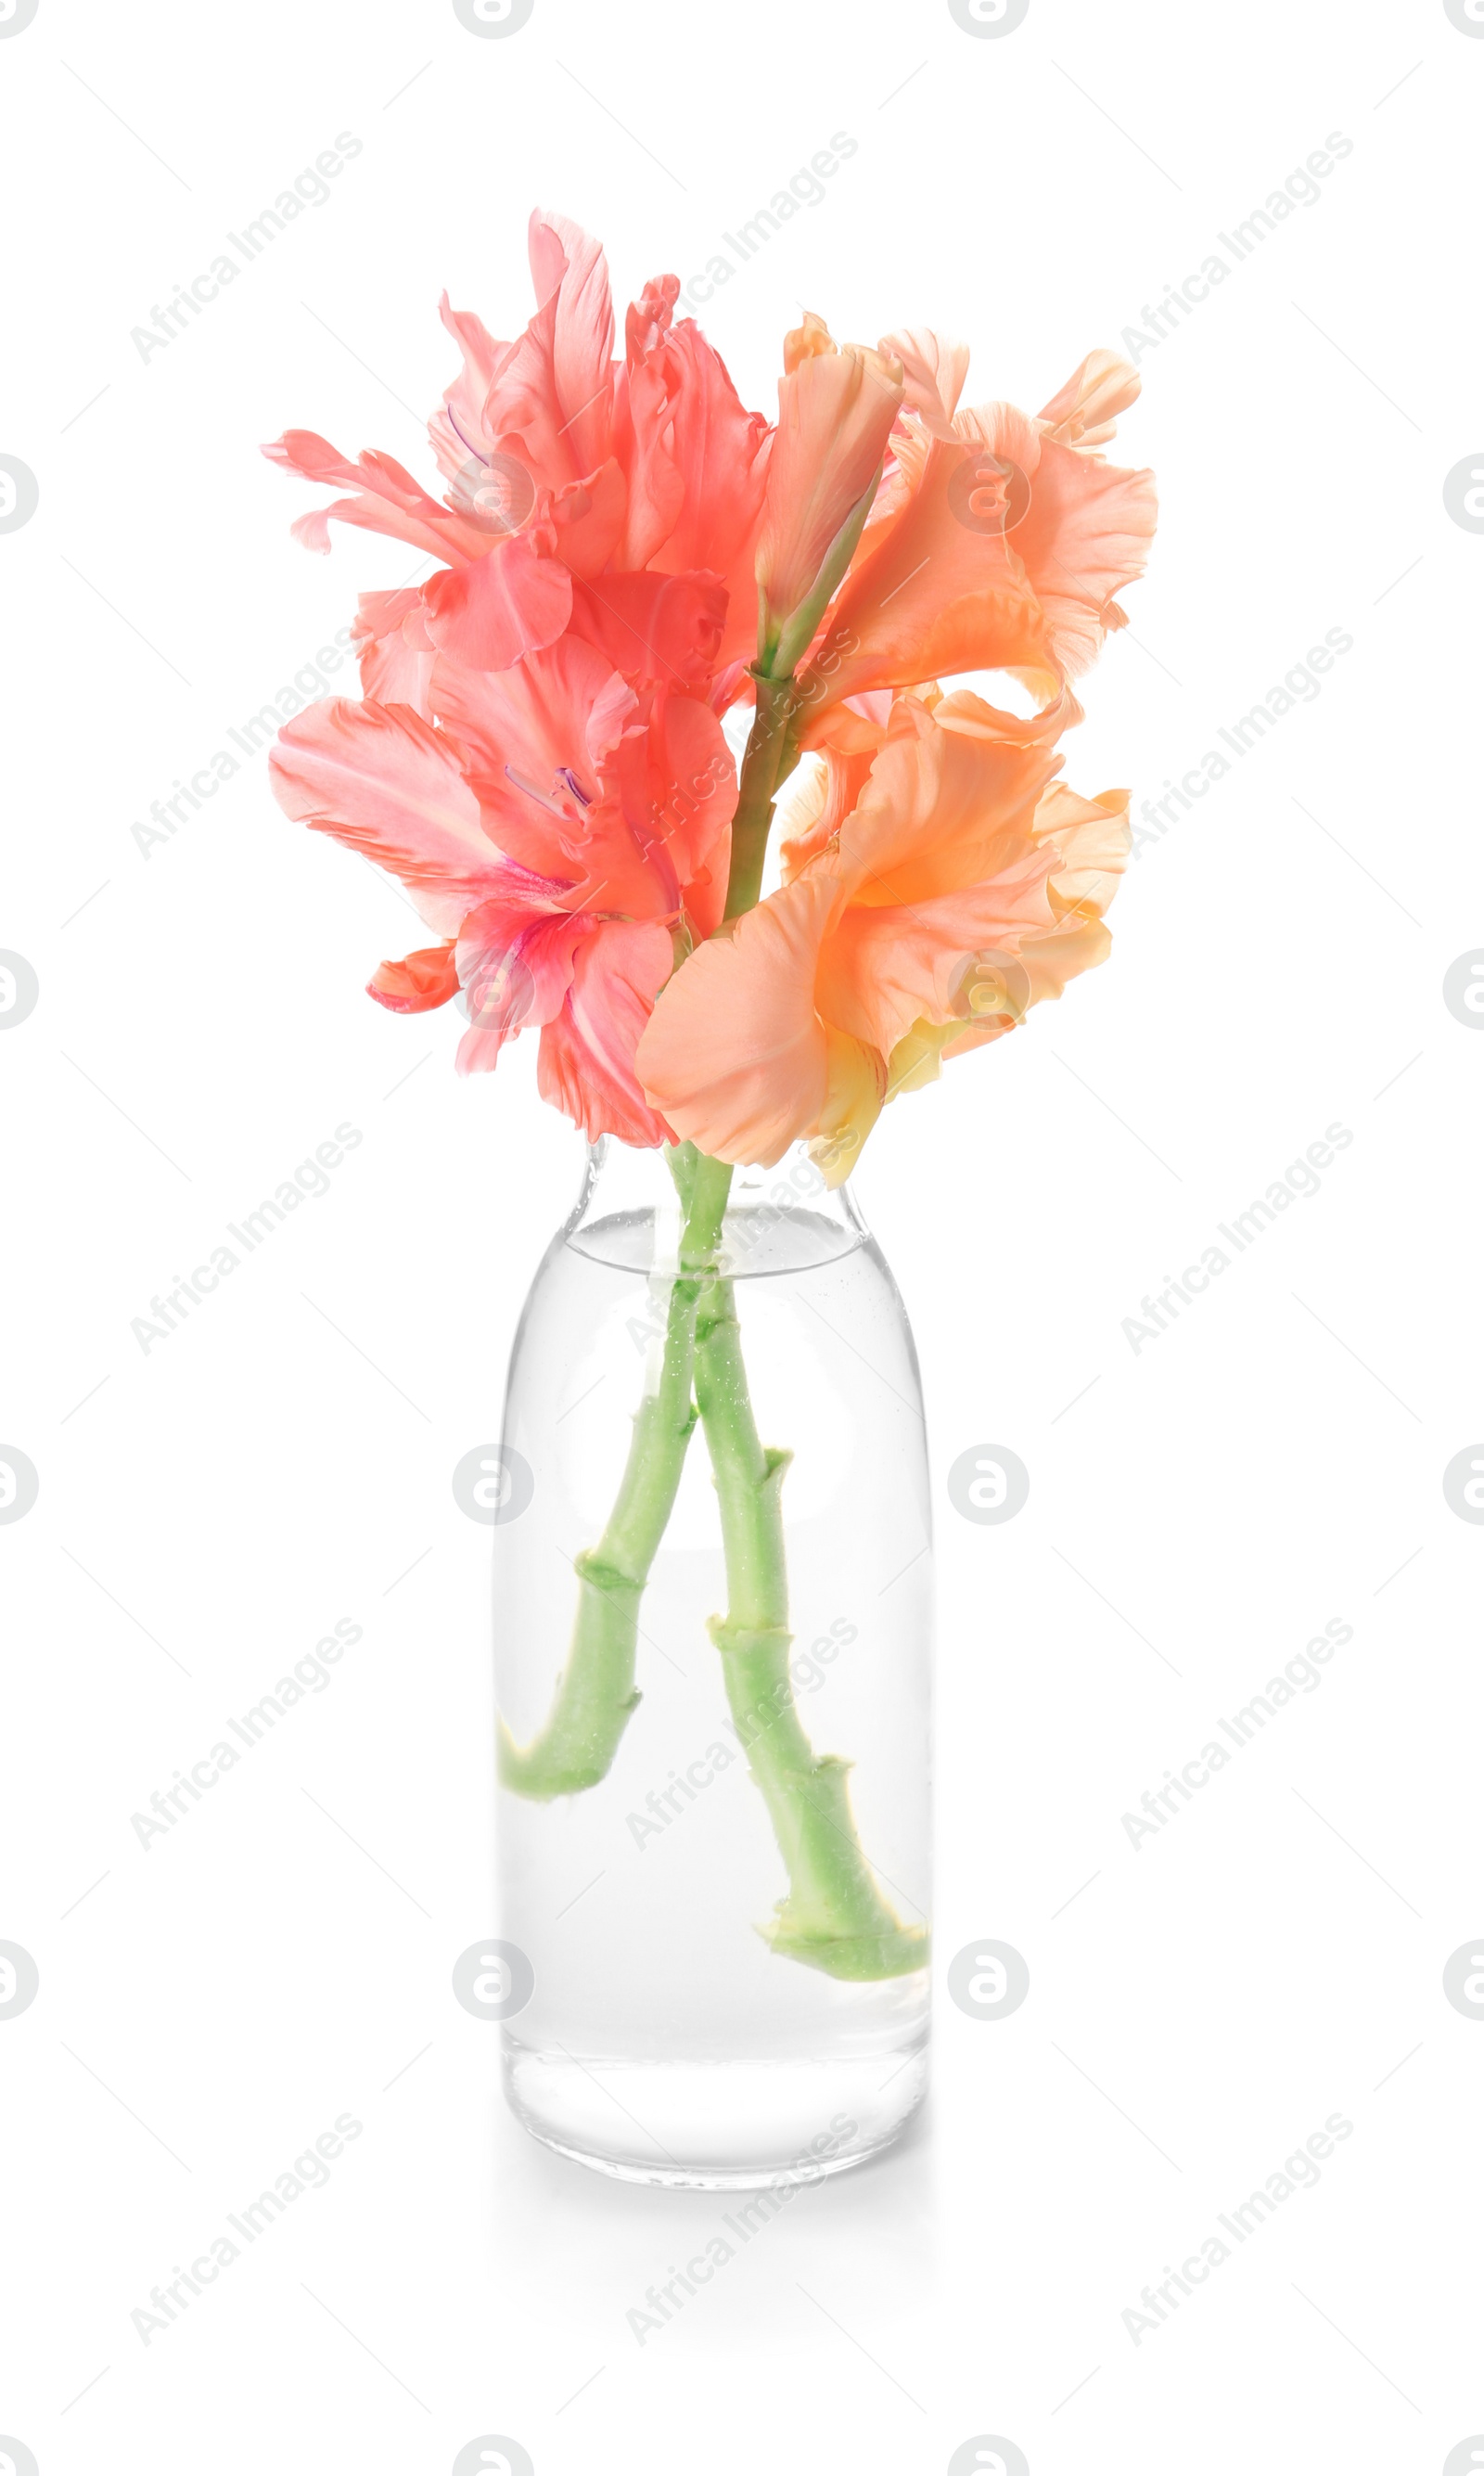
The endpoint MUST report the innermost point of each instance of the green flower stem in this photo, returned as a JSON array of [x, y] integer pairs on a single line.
[[596, 1693], [835, 1917], [772, 753]]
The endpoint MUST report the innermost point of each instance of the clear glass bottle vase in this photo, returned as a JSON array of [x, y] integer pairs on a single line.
[[713, 1607]]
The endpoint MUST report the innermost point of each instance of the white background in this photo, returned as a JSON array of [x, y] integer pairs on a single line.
[[1199, 1509]]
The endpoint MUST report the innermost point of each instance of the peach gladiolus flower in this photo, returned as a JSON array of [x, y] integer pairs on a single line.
[[963, 886], [997, 542], [836, 407]]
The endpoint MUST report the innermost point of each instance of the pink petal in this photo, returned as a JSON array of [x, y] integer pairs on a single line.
[[515, 965], [654, 629], [390, 501], [644, 426], [551, 397], [392, 670], [587, 1064], [458, 429], [530, 732], [380, 779], [509, 603]]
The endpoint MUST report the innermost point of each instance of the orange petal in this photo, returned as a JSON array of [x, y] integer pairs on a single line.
[[935, 597], [736, 1055], [835, 411], [1083, 413], [428, 978], [941, 809]]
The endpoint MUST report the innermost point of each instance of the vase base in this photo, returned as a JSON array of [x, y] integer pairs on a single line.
[[707, 2127]]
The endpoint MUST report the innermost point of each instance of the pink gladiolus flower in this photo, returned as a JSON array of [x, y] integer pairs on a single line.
[[605, 466], [538, 757], [558, 845]]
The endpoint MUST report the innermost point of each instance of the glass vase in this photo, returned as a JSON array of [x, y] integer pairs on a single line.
[[713, 1605]]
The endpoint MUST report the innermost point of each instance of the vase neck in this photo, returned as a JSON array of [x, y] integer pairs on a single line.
[[630, 1209]]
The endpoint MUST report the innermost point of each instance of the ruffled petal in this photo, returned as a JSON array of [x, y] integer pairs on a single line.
[[420, 981], [658, 630], [586, 1065], [884, 969], [644, 425], [396, 656], [835, 412], [381, 781], [1047, 964], [721, 454], [854, 1088], [1092, 840], [934, 368], [937, 595], [1086, 535], [457, 429], [588, 517], [736, 1056], [509, 603], [941, 809], [515, 964], [389, 500], [679, 788], [549, 400], [1084, 412], [539, 738]]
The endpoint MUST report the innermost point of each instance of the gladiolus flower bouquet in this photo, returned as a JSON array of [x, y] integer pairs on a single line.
[[626, 557]]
